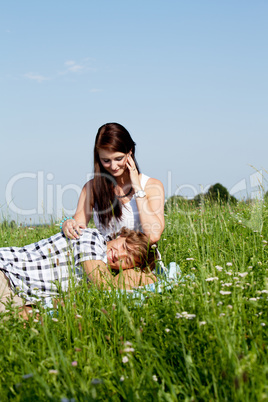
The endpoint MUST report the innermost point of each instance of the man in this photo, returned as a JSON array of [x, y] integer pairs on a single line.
[[40, 270]]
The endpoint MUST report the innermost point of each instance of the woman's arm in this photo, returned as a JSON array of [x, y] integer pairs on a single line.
[[151, 207], [71, 227]]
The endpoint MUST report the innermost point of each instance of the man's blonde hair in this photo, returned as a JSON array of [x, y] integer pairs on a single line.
[[143, 253]]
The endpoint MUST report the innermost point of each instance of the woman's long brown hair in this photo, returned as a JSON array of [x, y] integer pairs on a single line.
[[114, 138]]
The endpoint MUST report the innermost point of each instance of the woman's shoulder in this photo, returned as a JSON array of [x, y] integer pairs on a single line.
[[150, 181], [154, 187], [88, 185]]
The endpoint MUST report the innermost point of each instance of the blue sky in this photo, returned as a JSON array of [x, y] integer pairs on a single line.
[[188, 79]]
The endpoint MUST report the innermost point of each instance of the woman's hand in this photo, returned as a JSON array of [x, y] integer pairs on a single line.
[[133, 173], [72, 229]]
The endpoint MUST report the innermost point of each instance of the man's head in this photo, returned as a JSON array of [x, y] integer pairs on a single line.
[[131, 249]]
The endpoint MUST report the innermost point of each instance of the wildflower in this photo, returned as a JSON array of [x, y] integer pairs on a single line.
[[202, 323], [190, 316], [143, 321], [250, 267], [53, 371], [125, 359], [35, 331], [212, 279], [229, 273], [263, 324], [235, 278], [167, 330], [242, 274], [230, 306], [219, 268], [74, 363], [127, 343], [155, 378], [264, 291], [35, 320], [190, 259], [227, 284], [222, 314], [78, 316], [229, 264], [128, 350], [225, 292], [178, 315], [259, 263], [122, 378], [219, 304], [153, 246], [54, 319], [253, 299]]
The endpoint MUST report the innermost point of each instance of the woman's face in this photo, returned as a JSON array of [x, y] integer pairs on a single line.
[[113, 162]]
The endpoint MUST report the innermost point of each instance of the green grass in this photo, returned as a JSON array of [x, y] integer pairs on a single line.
[[206, 340]]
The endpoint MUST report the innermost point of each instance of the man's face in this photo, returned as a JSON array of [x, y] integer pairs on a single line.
[[119, 254]]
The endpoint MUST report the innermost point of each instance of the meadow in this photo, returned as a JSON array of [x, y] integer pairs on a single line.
[[203, 340]]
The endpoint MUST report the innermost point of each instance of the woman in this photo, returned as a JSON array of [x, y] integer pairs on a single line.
[[118, 195], [40, 270]]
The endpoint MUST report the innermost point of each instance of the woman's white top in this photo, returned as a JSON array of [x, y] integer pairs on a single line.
[[130, 216]]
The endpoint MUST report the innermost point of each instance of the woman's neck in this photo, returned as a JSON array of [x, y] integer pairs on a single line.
[[123, 180]]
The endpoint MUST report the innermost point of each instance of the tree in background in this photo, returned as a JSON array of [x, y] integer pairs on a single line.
[[216, 193]]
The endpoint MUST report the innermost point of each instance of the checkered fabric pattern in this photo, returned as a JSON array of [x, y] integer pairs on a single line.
[[39, 269]]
